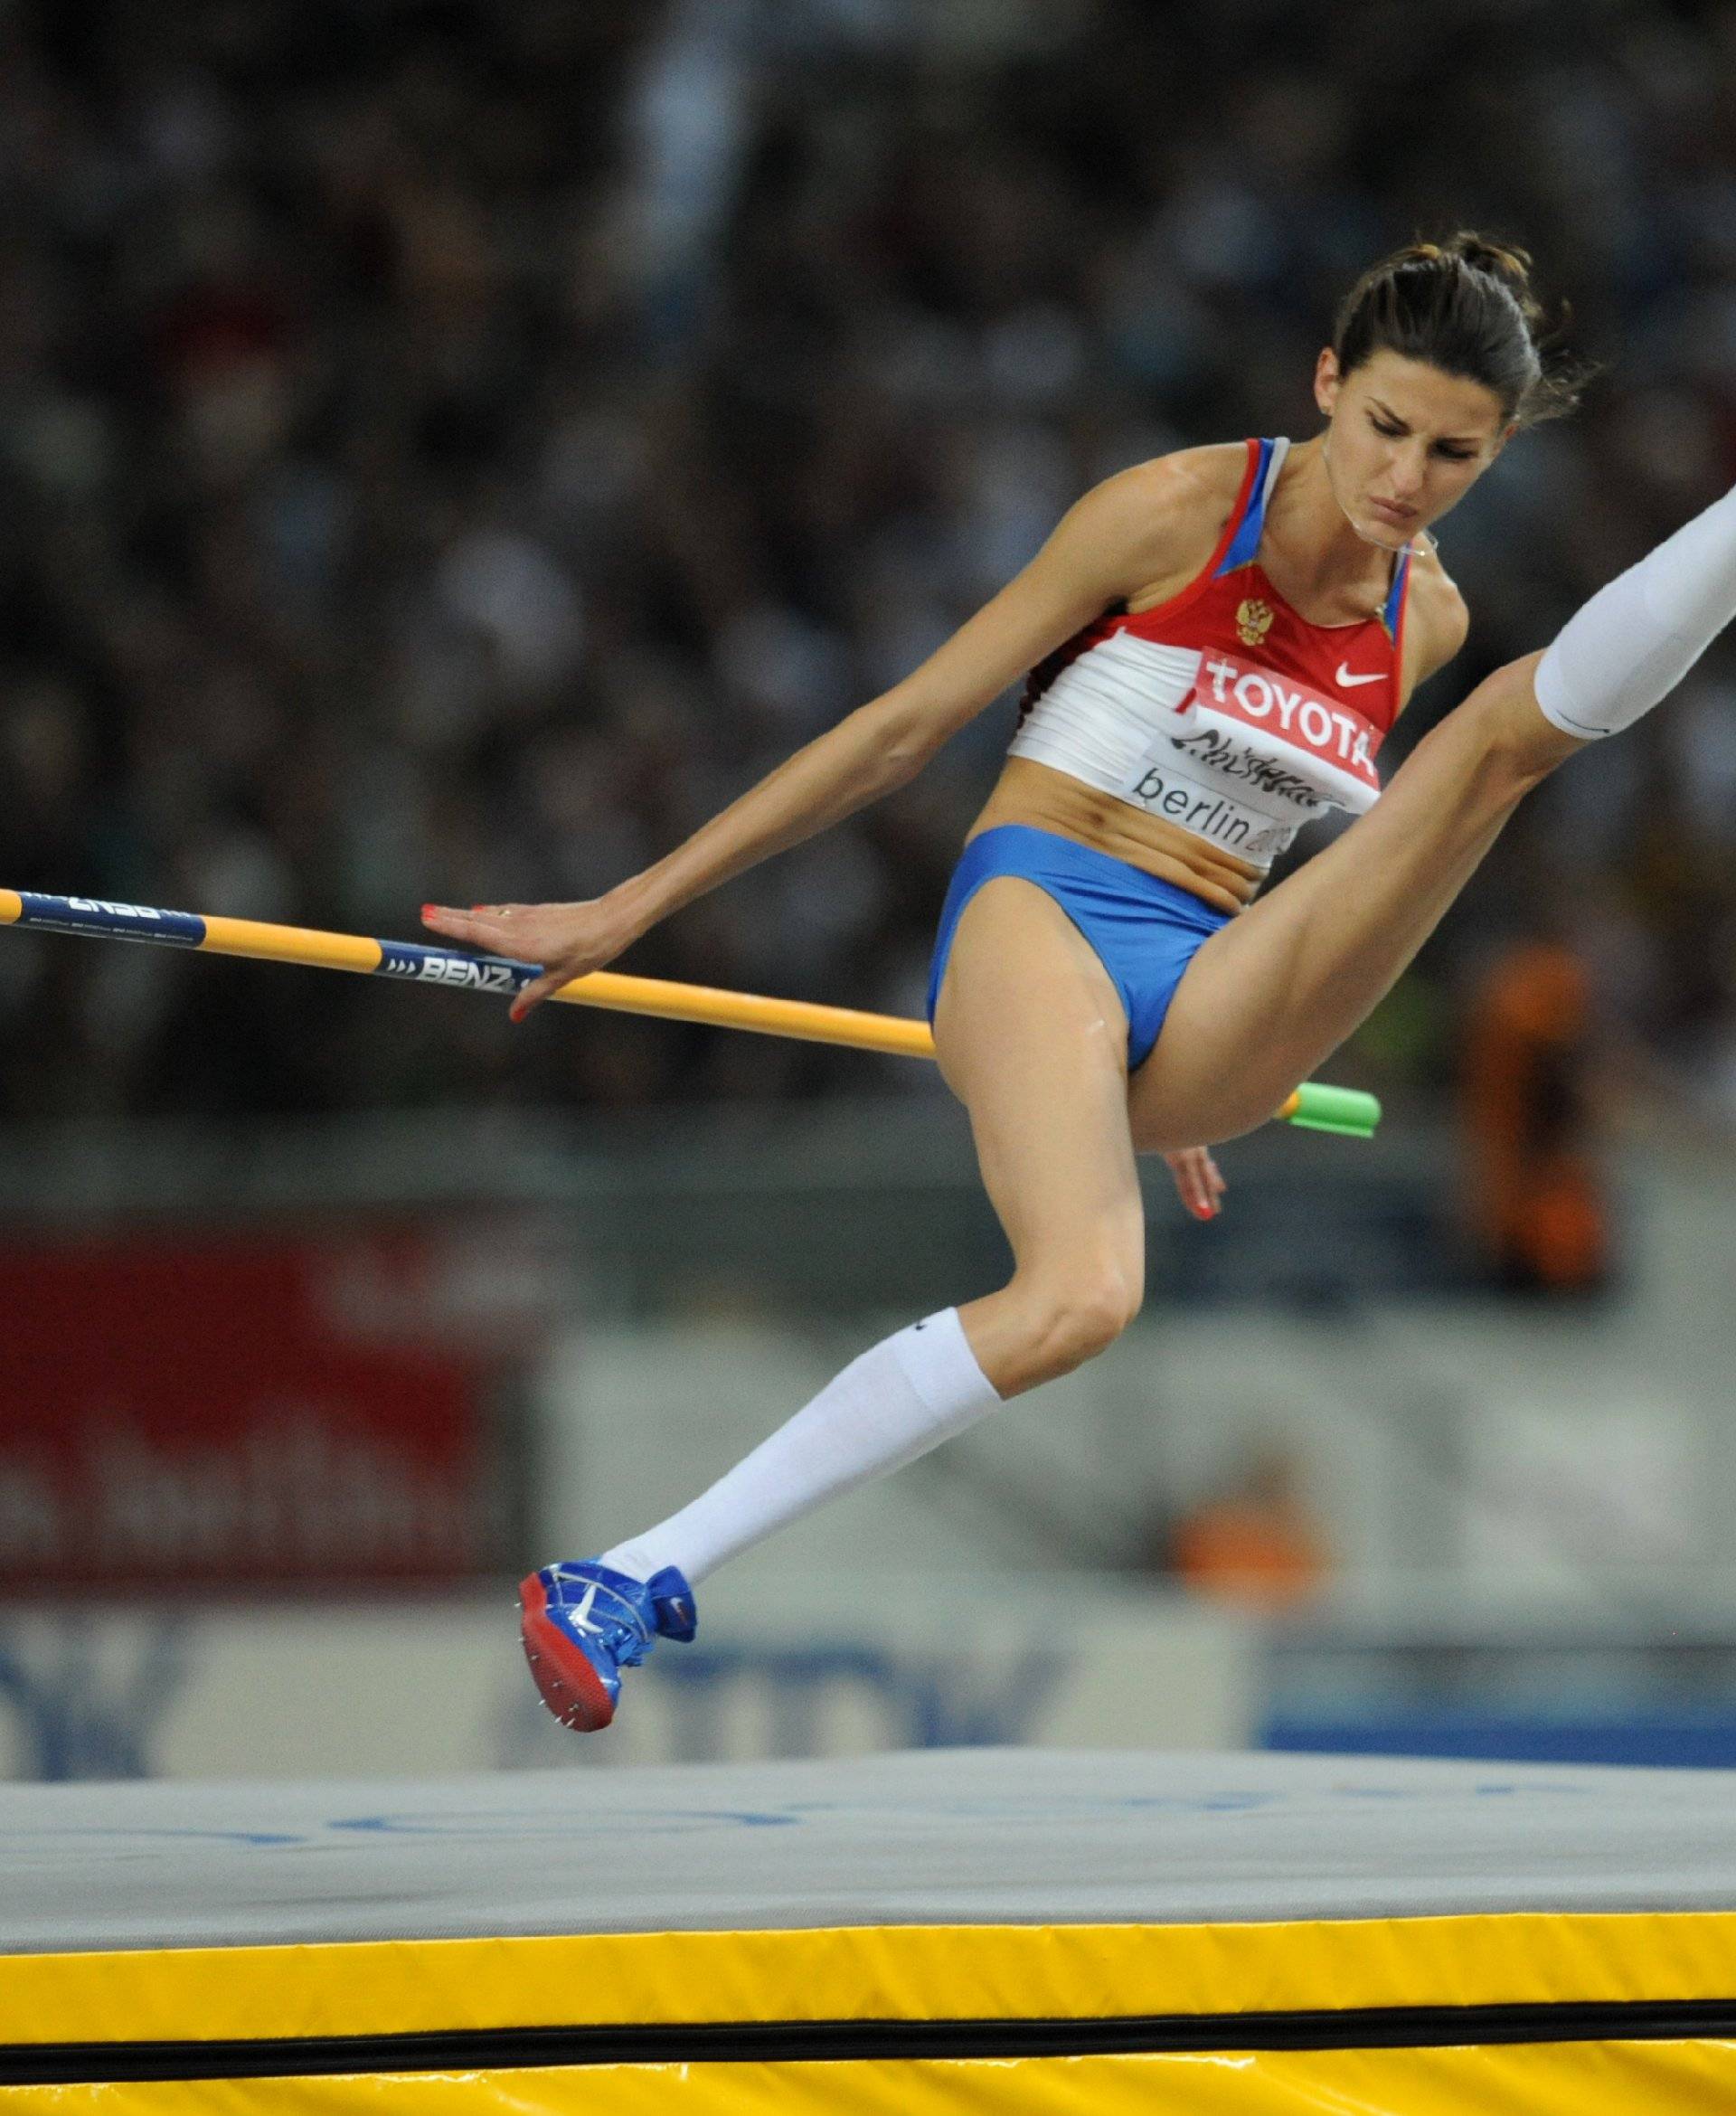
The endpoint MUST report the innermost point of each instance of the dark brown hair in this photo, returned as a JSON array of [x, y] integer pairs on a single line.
[[1466, 306]]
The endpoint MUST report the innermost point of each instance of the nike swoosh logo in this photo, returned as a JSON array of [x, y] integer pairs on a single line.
[[1347, 682]]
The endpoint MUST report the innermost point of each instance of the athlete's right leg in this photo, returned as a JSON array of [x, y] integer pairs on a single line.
[[1032, 1038], [1031, 1035]]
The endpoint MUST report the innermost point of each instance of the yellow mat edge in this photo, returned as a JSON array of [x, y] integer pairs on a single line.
[[879, 1972], [1687, 2076]]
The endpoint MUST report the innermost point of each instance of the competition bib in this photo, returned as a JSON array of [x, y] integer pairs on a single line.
[[1245, 758]]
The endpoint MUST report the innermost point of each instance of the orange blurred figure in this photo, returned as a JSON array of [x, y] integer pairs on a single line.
[[1256, 1542], [1538, 1201]]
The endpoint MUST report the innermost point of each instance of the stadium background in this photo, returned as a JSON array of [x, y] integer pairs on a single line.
[[447, 451]]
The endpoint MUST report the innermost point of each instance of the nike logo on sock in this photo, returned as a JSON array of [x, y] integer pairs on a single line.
[[1348, 682]]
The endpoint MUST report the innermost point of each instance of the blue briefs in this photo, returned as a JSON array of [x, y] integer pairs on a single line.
[[1144, 931]]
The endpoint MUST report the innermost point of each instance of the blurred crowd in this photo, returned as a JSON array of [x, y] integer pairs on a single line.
[[449, 451]]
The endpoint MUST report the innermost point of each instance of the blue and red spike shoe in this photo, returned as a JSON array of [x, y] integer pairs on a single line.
[[583, 1622]]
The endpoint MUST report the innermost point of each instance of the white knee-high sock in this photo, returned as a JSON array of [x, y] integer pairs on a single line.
[[1637, 638], [900, 1398]]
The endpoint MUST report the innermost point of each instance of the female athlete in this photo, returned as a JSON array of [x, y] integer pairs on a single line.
[[1220, 640]]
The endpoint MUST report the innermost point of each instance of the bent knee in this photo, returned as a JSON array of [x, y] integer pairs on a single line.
[[1077, 1314], [1521, 746]]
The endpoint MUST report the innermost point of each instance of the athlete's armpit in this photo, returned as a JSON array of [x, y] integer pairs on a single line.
[[1437, 621], [1160, 516]]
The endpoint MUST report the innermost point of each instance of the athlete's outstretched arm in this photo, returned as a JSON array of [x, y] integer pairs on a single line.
[[1123, 533]]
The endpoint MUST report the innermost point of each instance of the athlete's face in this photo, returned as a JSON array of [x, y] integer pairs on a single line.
[[1405, 441]]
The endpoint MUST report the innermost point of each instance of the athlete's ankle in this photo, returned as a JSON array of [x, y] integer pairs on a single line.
[[639, 1560]]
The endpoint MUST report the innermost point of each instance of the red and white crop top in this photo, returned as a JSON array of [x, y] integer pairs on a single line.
[[1221, 709]]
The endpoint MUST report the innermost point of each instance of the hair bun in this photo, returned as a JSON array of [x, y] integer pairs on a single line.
[[1467, 305], [1504, 261], [1507, 262]]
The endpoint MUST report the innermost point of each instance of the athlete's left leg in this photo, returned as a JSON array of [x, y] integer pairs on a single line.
[[1273, 993], [1269, 995]]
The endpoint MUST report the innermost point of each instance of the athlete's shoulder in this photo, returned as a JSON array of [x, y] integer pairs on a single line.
[[1164, 515], [1199, 484], [1438, 620]]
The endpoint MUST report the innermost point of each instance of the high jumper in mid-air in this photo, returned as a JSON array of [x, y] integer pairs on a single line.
[[1219, 640]]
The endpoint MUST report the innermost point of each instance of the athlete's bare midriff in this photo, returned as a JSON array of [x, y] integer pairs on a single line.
[[1046, 798], [1033, 794]]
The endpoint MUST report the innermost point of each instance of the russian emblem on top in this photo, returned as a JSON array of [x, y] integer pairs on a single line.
[[1253, 621]]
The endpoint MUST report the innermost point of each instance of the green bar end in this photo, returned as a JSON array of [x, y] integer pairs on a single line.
[[1347, 1111]]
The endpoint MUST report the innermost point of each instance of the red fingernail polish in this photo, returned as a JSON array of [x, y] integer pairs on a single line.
[[429, 910]]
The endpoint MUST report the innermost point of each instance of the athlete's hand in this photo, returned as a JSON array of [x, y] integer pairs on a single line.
[[1198, 1183], [568, 940]]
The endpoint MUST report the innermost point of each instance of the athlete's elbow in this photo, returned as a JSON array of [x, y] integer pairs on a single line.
[[897, 747], [902, 763]]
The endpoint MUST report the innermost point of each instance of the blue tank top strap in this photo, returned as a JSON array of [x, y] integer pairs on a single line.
[[1245, 543], [1395, 594]]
